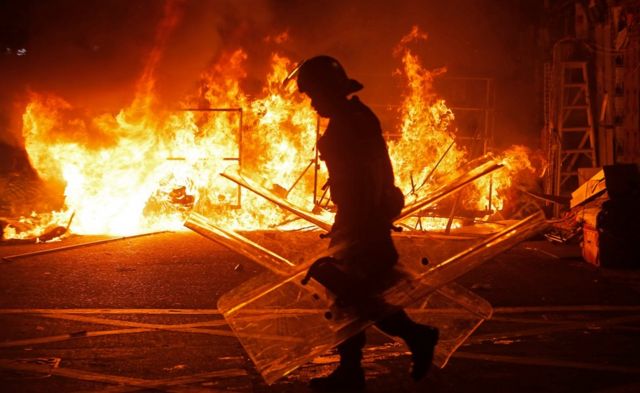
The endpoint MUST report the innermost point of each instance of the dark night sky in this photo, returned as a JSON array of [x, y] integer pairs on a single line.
[[91, 53]]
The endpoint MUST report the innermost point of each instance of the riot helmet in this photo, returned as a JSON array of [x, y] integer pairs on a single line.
[[325, 75]]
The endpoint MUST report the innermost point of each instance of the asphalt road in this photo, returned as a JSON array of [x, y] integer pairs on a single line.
[[140, 314]]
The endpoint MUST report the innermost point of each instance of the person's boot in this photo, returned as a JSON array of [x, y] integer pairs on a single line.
[[342, 379], [422, 344]]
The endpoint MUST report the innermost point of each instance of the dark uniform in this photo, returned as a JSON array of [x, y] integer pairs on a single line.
[[367, 201], [362, 184], [361, 178]]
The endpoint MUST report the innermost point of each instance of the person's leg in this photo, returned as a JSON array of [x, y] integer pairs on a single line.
[[350, 350], [421, 340], [397, 324], [349, 375]]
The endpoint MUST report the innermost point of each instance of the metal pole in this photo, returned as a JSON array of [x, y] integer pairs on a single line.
[[459, 195], [295, 183], [453, 212], [12, 258], [486, 118], [240, 156], [426, 179], [490, 191], [315, 172]]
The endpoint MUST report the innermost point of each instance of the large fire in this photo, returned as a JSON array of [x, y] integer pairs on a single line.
[[146, 168]]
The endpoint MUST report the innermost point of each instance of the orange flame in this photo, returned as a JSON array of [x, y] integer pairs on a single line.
[[145, 168], [425, 123]]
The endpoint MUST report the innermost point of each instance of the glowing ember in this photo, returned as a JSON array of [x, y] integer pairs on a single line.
[[146, 168]]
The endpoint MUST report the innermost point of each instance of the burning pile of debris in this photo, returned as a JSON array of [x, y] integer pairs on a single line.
[[23, 193], [146, 168]]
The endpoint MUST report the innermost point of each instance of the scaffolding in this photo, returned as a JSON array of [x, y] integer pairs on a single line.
[[238, 157]]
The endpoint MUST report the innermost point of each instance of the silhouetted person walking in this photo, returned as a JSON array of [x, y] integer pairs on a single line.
[[362, 188]]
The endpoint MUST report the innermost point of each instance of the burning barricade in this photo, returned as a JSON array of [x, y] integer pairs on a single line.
[[144, 168]]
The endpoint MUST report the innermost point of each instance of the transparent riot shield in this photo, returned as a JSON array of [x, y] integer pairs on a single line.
[[283, 323], [455, 320]]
